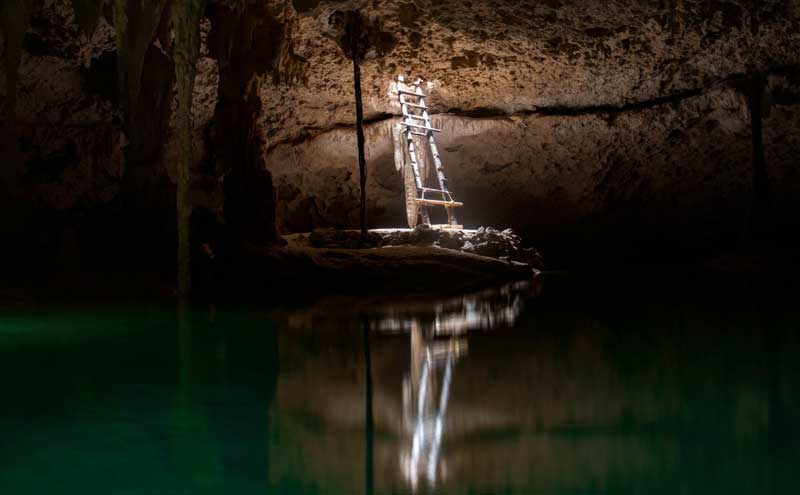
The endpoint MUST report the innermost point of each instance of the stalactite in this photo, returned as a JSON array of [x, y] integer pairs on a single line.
[[135, 22], [15, 17], [87, 14], [355, 41], [362, 162], [120, 14], [186, 16], [247, 43]]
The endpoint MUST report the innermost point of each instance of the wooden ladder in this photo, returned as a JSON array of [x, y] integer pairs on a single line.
[[417, 122]]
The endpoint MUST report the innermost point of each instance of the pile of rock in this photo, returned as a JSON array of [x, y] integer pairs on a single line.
[[344, 239], [503, 244], [486, 241]]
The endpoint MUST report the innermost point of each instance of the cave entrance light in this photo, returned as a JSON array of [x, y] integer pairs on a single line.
[[414, 150]]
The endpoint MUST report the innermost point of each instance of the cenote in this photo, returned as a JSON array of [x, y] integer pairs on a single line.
[[554, 385], [412, 247]]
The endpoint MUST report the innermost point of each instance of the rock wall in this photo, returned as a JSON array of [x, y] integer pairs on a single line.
[[90, 174], [559, 116], [534, 168], [505, 57], [68, 130]]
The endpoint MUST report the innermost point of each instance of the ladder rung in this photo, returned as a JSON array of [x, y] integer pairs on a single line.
[[448, 204], [419, 134], [404, 92], [422, 127], [413, 116], [414, 105], [428, 189]]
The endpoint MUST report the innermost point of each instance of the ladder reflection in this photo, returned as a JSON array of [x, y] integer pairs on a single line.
[[438, 339]]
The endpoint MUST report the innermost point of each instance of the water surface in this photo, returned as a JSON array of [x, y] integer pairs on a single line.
[[524, 389]]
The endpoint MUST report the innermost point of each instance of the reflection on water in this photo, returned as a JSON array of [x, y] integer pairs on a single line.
[[495, 392], [501, 392], [482, 310], [436, 343], [424, 402]]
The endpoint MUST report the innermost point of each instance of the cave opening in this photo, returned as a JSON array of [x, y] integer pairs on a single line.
[[352, 246]]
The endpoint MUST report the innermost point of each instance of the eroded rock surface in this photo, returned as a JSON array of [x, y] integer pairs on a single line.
[[484, 241], [540, 170], [558, 115], [592, 115], [506, 57]]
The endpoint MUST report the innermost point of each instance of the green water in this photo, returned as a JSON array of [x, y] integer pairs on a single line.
[[588, 391]]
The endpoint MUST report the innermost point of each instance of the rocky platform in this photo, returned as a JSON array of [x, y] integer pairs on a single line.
[[505, 245], [420, 260]]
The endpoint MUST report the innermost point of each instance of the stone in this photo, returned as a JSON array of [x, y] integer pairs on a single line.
[[487, 248], [450, 240], [421, 234], [343, 239], [548, 123], [570, 129]]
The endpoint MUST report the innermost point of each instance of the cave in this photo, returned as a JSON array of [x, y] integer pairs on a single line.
[[413, 246]]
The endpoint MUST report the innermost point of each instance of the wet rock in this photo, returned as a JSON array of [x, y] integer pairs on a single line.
[[422, 234], [488, 242], [343, 239], [529, 256], [450, 240], [487, 249]]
